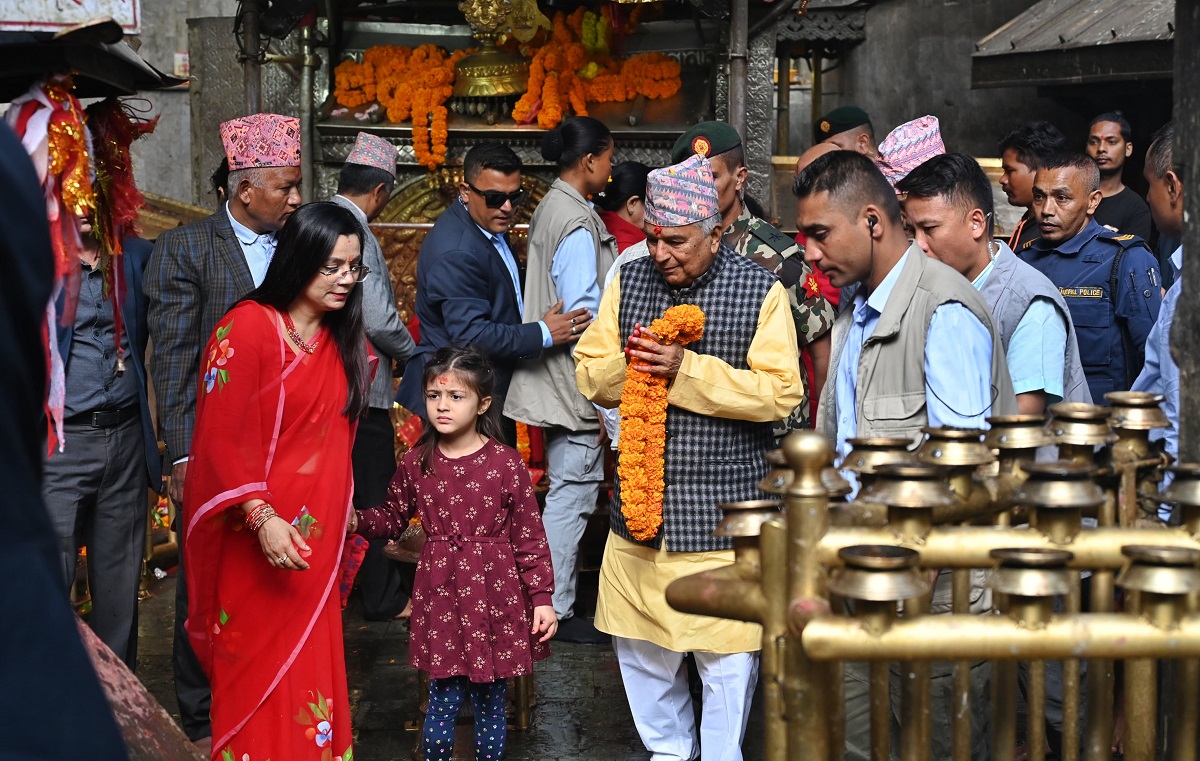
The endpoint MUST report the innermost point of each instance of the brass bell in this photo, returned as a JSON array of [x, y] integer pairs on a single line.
[[1080, 424], [1017, 432], [880, 573], [954, 447], [867, 454], [1059, 484], [779, 477], [1136, 410], [910, 485], [1184, 491], [1031, 572], [1161, 570], [742, 519], [837, 486]]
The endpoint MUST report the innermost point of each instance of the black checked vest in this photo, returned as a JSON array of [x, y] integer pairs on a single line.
[[708, 460]]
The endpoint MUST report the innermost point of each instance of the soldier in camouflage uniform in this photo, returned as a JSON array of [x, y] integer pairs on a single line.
[[756, 238]]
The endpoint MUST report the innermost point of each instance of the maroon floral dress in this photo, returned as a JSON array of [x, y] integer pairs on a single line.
[[485, 564]]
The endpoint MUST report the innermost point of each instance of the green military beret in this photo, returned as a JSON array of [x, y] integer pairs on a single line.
[[705, 139], [838, 121]]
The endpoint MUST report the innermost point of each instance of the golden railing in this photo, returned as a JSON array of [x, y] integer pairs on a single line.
[[835, 582]]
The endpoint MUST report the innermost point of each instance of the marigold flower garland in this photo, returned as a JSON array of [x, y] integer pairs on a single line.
[[407, 83], [574, 68], [643, 428]]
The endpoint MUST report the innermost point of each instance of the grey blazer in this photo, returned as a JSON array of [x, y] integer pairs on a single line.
[[388, 336], [196, 273]]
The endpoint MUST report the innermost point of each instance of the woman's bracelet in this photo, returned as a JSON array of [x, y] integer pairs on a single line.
[[260, 515]]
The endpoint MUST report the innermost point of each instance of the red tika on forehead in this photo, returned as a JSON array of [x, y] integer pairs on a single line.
[[657, 230], [443, 380]]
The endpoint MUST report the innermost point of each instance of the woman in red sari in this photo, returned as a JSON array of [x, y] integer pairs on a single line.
[[268, 495], [621, 205]]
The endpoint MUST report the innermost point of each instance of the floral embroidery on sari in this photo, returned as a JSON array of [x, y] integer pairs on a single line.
[[318, 718], [216, 374]]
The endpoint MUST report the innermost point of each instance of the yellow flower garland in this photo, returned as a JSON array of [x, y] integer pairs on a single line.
[[643, 428]]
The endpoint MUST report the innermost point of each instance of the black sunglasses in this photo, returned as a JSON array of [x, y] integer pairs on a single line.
[[495, 199]]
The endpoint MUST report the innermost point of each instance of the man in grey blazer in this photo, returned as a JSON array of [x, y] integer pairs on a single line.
[[364, 187], [195, 275]]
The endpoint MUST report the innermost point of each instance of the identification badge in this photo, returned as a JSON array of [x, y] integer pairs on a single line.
[[1082, 293]]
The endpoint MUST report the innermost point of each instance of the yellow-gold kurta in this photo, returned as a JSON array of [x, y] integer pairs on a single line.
[[633, 577]]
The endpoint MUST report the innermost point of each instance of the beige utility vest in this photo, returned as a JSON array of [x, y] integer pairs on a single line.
[[891, 369], [543, 390], [891, 373]]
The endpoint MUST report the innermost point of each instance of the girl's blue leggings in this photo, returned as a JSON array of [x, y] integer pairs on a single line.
[[445, 699]]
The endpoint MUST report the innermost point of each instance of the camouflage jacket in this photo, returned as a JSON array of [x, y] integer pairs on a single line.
[[814, 315]]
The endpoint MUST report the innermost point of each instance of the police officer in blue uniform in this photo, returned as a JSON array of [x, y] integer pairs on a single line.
[[1110, 281]]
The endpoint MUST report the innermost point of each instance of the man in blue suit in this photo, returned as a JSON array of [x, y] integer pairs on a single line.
[[469, 288], [95, 484]]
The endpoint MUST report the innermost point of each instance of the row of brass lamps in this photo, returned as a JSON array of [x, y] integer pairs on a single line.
[[1033, 502]]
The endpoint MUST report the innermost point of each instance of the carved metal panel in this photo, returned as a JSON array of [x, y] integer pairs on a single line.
[[216, 91], [825, 25], [759, 140], [760, 114]]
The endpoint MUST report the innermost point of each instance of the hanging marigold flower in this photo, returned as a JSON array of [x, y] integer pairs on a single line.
[[407, 83], [643, 428]]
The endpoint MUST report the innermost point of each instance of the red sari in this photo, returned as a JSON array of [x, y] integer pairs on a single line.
[[626, 233], [269, 425]]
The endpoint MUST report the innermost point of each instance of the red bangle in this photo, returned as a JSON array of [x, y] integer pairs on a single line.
[[259, 516]]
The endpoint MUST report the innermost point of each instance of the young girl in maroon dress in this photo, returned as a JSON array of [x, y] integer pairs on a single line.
[[484, 580]]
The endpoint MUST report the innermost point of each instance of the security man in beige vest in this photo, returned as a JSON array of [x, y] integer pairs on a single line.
[[916, 347]]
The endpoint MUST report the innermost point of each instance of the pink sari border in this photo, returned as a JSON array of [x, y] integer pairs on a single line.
[[224, 496], [291, 658]]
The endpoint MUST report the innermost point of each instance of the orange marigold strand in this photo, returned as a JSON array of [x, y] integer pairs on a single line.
[[643, 428]]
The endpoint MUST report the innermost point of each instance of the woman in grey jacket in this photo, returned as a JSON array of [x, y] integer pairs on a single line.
[[570, 250]]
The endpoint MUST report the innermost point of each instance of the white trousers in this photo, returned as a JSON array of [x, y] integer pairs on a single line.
[[656, 686]]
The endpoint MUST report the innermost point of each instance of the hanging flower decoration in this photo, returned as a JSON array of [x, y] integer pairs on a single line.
[[50, 122], [408, 83], [574, 67], [643, 428], [351, 82]]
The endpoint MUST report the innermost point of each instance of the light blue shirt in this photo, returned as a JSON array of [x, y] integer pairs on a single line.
[[1036, 350], [510, 263], [1160, 374], [258, 249], [958, 364], [574, 272]]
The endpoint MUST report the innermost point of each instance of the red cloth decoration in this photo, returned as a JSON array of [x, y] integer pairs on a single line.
[[114, 127]]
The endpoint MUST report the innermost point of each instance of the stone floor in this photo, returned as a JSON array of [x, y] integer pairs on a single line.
[[581, 713]]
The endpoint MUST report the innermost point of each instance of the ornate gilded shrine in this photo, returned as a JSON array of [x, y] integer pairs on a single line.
[[487, 84]]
